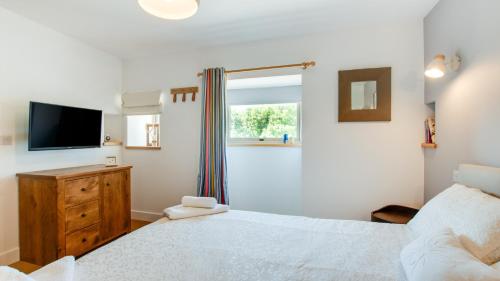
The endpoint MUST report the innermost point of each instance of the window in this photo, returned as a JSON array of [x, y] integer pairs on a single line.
[[143, 131], [264, 110], [264, 122]]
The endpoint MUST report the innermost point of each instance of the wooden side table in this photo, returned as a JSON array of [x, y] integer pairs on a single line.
[[394, 214]]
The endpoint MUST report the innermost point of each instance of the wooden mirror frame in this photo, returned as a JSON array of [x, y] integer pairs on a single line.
[[383, 110]]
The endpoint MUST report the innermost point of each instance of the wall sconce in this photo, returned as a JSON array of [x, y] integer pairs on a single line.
[[438, 67]]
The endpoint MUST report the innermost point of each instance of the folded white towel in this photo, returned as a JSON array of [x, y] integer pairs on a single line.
[[181, 212], [60, 270], [199, 202]]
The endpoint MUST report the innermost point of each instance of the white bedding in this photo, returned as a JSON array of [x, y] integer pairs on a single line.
[[251, 246]]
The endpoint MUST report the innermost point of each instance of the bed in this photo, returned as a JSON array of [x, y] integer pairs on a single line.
[[240, 245], [251, 246]]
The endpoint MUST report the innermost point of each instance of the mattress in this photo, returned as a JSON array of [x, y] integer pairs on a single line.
[[240, 245]]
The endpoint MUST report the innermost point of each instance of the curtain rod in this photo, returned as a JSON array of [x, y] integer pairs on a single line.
[[304, 65]]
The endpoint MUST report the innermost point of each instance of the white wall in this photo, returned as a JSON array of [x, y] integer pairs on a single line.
[[348, 169], [265, 179], [467, 102], [42, 65]]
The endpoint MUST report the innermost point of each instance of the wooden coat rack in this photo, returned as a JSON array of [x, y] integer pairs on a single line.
[[184, 91]]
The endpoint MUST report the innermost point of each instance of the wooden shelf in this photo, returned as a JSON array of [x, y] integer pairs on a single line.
[[112, 143], [429, 145]]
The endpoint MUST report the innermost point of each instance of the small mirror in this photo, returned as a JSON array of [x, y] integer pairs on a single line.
[[364, 95]]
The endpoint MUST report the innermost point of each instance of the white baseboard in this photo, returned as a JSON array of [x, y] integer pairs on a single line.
[[146, 216], [9, 257]]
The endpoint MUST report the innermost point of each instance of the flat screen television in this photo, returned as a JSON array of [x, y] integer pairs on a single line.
[[54, 127]]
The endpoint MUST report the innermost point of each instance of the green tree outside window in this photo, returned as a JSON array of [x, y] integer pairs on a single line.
[[264, 120]]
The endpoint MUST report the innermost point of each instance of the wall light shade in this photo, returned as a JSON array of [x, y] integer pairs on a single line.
[[170, 9], [437, 68]]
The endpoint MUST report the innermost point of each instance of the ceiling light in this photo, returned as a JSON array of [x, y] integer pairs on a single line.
[[438, 67], [170, 9]]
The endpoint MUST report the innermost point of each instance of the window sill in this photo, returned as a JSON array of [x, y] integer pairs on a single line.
[[143, 147], [264, 145]]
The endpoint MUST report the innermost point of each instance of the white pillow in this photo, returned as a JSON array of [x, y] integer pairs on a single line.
[[60, 270], [440, 256], [472, 215], [10, 274]]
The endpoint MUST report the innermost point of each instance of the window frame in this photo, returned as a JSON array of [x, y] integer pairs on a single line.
[[143, 147], [265, 141]]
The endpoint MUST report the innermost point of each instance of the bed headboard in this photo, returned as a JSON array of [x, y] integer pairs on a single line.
[[483, 177]]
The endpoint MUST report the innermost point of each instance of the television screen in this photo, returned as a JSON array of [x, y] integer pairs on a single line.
[[62, 127]]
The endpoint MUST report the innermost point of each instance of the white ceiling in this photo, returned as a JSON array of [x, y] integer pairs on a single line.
[[121, 28]]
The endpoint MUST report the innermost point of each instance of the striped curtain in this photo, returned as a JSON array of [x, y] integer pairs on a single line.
[[212, 180]]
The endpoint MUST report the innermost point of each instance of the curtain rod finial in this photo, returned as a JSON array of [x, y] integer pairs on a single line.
[[308, 64]]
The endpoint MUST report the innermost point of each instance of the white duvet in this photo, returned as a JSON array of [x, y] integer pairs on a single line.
[[251, 246]]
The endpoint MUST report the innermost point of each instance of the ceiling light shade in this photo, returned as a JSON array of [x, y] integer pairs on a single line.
[[437, 68], [170, 9]]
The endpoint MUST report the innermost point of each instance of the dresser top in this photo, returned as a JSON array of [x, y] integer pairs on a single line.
[[73, 171]]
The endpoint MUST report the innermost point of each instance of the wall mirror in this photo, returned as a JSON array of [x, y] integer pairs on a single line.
[[365, 95]]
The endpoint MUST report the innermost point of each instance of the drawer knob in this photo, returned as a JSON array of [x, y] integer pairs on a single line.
[[83, 189], [83, 215], [84, 240], [107, 184]]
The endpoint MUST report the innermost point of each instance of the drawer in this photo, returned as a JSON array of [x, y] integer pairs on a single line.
[[81, 216], [82, 241], [81, 190]]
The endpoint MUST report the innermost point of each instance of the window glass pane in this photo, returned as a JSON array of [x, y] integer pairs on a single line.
[[264, 121], [143, 130]]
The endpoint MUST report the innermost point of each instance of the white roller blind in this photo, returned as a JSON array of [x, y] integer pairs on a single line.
[[142, 103], [290, 94], [265, 90]]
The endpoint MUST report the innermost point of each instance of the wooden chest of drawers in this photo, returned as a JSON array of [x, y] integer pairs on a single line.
[[69, 212]]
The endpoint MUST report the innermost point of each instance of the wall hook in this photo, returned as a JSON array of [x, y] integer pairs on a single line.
[[184, 91]]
